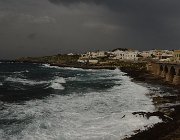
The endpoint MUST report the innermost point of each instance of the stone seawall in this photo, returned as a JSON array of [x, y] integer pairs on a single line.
[[168, 71]]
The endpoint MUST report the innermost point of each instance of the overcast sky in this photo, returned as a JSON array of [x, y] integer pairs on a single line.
[[46, 27]]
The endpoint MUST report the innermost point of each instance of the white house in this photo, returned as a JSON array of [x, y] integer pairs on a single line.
[[82, 60], [118, 54], [125, 55], [94, 54], [97, 54], [93, 61], [91, 57], [131, 55], [146, 54]]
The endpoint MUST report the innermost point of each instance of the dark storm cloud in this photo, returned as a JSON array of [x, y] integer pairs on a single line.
[[32, 36], [148, 24], [46, 27], [69, 2]]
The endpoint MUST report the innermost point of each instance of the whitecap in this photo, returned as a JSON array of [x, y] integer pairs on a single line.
[[59, 80], [49, 66], [24, 81], [57, 83], [56, 86], [71, 78], [118, 72], [68, 68], [17, 72], [1, 84]]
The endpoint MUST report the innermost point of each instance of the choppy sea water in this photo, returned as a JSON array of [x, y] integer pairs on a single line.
[[42, 102]]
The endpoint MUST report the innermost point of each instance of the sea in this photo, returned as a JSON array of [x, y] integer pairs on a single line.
[[43, 102]]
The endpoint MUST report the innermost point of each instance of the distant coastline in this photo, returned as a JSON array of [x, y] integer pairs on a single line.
[[72, 61]]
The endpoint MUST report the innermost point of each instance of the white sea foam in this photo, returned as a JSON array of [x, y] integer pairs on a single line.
[[25, 71], [16, 72], [56, 86], [49, 66], [71, 79], [71, 68], [80, 69], [57, 83], [68, 68], [103, 115], [101, 74], [24, 81], [59, 80], [1, 84], [83, 118]]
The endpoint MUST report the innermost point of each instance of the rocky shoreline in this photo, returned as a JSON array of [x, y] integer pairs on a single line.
[[170, 128]]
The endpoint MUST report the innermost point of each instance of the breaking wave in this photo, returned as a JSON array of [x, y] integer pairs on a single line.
[[95, 116], [57, 83], [16, 72], [67, 68], [24, 81], [49, 66]]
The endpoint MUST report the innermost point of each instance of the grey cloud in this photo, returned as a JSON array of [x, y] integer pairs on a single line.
[[105, 27], [46, 27], [32, 36], [68, 2]]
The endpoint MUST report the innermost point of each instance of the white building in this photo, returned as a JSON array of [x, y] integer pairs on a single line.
[[93, 61], [82, 60], [166, 57], [125, 55], [146, 54], [97, 54], [94, 54], [118, 54], [90, 57], [132, 55]]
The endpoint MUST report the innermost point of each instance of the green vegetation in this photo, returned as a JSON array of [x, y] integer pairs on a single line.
[[125, 64], [58, 59], [121, 49], [71, 60]]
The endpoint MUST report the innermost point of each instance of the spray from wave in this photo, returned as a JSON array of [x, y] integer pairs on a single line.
[[67, 68], [18, 72], [15, 72], [24, 81], [57, 83], [49, 66]]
